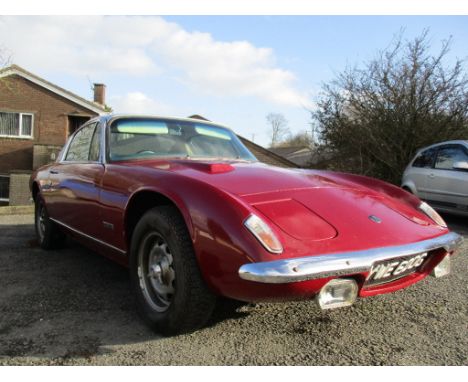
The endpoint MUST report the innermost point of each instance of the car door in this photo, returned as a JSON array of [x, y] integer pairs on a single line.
[[76, 182], [419, 170], [447, 186]]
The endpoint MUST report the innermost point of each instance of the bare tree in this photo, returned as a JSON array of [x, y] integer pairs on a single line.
[[373, 119], [278, 127], [302, 138], [5, 57], [5, 60]]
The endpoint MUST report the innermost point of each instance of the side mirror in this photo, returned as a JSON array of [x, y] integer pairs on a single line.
[[462, 165]]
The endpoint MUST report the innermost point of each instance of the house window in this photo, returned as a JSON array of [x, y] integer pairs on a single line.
[[4, 188], [16, 125]]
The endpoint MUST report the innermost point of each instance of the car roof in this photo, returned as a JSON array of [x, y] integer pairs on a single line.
[[459, 141], [108, 117]]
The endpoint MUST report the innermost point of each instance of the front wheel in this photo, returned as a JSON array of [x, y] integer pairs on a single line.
[[170, 292]]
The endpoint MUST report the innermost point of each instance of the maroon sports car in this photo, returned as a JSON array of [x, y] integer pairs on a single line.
[[195, 216]]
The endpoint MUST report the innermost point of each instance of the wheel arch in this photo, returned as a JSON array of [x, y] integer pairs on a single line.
[[409, 187], [145, 199]]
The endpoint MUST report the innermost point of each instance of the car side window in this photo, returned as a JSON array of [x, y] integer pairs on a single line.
[[425, 159], [79, 148], [447, 156]]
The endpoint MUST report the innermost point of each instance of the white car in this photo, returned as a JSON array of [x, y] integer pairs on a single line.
[[438, 174]]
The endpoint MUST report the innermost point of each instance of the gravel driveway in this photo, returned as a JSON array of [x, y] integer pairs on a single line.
[[74, 307]]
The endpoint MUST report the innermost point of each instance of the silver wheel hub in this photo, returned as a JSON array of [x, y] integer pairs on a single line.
[[156, 273]]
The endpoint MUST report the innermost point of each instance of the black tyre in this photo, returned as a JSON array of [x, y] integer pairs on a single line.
[[49, 235], [407, 189], [170, 292]]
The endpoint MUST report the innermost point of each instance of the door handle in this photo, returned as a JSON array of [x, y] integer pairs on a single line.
[[432, 176], [54, 172]]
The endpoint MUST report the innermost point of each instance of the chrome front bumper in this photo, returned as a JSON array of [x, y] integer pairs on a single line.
[[339, 264]]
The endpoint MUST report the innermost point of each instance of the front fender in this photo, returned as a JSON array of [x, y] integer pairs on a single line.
[[214, 219], [378, 186]]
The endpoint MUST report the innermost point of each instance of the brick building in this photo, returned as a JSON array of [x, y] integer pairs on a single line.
[[36, 118]]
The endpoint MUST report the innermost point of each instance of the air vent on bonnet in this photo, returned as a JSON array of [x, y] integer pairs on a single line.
[[211, 168]]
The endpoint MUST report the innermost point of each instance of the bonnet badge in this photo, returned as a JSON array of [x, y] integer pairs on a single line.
[[375, 219]]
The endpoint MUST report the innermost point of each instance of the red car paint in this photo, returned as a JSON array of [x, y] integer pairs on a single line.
[[215, 198]]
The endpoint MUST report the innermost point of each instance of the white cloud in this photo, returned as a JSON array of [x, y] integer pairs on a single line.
[[74, 45], [146, 46], [229, 68], [139, 103]]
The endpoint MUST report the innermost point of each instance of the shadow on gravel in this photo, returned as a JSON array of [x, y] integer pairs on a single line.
[[457, 223], [74, 306], [227, 309], [68, 303]]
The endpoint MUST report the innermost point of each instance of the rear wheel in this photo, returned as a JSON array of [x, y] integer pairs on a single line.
[[48, 233], [170, 292]]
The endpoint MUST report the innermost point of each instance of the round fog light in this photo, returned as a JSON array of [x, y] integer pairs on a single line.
[[337, 293]]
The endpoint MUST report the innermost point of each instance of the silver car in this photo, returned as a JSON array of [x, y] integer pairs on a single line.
[[439, 175]]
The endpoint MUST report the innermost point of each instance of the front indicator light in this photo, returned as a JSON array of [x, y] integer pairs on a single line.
[[431, 212], [263, 233], [337, 293], [443, 268]]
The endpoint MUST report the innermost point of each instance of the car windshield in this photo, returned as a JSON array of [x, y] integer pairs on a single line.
[[133, 138]]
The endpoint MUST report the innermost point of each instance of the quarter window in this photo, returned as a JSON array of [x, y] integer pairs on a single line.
[[79, 149], [16, 125], [425, 159], [447, 156]]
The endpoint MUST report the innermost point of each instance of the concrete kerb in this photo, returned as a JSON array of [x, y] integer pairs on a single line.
[[17, 210]]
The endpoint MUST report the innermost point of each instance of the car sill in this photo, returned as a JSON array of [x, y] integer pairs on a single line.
[[88, 236]]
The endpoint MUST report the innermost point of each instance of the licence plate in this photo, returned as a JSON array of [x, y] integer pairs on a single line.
[[393, 269]]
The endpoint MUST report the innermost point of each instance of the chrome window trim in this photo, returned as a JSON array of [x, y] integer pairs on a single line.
[[339, 264], [102, 155], [88, 236]]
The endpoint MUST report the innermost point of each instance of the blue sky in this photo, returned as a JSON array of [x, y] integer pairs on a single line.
[[231, 69]]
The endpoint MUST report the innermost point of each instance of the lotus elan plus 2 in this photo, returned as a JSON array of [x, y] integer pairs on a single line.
[[194, 216]]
